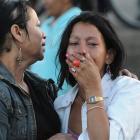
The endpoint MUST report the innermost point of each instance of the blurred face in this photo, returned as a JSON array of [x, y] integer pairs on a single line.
[[86, 37], [54, 7], [34, 44]]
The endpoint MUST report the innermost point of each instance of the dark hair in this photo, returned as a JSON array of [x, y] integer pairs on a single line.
[[12, 12], [84, 4], [111, 42]]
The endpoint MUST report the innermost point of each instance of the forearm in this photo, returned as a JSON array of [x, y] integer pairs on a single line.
[[97, 122], [97, 119]]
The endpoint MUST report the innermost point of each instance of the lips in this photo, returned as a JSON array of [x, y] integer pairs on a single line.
[[43, 44]]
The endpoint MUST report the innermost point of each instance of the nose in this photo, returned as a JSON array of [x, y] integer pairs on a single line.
[[82, 47]]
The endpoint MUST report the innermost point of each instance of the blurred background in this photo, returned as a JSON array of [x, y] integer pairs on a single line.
[[125, 18]]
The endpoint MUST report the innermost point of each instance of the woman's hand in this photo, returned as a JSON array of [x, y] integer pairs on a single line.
[[86, 73], [61, 136]]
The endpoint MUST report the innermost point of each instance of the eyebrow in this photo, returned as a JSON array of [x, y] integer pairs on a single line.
[[75, 37], [91, 37], [88, 38]]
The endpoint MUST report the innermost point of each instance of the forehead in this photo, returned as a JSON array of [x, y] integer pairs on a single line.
[[32, 15], [82, 29]]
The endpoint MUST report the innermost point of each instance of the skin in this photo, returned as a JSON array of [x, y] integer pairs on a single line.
[[32, 48], [91, 43], [31, 45], [34, 44], [87, 45]]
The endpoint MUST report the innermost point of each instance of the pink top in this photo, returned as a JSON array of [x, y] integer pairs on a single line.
[[74, 135]]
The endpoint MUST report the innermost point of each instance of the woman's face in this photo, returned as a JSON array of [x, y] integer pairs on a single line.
[[34, 43], [54, 7], [86, 37]]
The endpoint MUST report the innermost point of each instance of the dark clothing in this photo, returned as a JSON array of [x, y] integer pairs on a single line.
[[24, 116], [44, 128]]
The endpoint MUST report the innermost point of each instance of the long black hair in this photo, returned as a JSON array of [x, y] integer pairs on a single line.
[[12, 12], [111, 42]]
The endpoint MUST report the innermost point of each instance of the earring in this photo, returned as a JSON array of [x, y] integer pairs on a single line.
[[19, 58], [108, 69]]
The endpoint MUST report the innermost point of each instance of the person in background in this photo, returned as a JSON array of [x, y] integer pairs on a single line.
[[102, 105], [26, 101], [59, 12]]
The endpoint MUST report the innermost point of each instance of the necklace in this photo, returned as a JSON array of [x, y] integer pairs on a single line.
[[22, 85]]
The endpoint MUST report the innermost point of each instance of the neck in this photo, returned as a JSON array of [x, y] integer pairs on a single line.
[[15, 69]]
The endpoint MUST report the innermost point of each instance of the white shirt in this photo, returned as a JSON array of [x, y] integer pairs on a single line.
[[122, 104]]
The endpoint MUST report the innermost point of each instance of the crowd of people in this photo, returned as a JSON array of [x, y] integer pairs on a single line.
[[78, 92]]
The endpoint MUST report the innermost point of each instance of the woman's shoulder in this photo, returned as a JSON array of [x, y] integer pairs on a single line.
[[125, 82], [34, 76], [5, 94], [123, 105], [125, 93], [45, 86]]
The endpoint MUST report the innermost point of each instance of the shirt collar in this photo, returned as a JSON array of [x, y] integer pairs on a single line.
[[68, 98]]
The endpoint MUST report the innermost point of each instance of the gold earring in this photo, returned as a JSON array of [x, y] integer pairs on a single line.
[[19, 58]]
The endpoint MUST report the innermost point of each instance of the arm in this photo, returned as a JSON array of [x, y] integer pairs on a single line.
[[61, 136], [89, 80], [97, 119]]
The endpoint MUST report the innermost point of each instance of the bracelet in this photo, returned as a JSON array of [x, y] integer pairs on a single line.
[[95, 107], [94, 99]]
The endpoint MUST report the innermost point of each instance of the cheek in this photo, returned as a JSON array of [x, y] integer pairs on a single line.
[[99, 59], [37, 36], [70, 50]]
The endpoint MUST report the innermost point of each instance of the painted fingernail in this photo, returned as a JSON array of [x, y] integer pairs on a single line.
[[76, 63], [67, 55]]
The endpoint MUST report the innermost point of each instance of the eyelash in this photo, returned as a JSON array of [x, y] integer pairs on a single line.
[[92, 44], [75, 44]]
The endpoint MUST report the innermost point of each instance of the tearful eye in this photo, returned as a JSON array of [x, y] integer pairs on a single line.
[[92, 44], [73, 43]]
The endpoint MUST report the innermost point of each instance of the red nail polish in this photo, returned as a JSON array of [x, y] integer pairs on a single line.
[[76, 63]]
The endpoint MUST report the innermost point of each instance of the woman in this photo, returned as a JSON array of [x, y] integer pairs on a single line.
[[26, 101], [102, 105]]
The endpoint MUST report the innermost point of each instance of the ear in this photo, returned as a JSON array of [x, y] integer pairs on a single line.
[[17, 33], [110, 56]]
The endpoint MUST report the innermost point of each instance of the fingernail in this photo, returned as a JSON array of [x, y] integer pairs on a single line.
[[67, 55]]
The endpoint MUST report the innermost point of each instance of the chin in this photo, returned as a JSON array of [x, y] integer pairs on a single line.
[[41, 58]]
